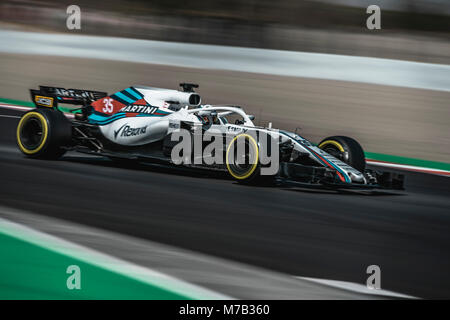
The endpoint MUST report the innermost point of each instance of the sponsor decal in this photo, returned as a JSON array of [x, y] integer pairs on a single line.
[[127, 131], [236, 129], [44, 101], [139, 109], [212, 147], [74, 93]]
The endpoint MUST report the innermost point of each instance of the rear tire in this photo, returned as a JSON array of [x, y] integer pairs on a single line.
[[345, 149], [42, 134]]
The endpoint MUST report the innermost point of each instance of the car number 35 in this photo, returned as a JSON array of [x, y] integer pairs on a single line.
[[108, 108]]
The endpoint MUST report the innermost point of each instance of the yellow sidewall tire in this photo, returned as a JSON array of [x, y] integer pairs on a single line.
[[354, 153], [332, 142], [252, 169], [45, 132]]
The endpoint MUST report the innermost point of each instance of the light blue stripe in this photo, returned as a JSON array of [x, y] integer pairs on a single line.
[[124, 97], [104, 120], [346, 177], [101, 123], [134, 94]]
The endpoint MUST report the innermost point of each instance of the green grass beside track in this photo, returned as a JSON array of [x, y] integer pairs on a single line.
[[29, 271]]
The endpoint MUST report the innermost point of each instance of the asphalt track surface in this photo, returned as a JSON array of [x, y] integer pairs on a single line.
[[304, 232]]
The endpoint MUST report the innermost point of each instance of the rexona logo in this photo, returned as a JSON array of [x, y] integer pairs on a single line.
[[139, 109], [127, 131]]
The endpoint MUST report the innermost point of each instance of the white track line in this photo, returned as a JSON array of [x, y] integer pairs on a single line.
[[219, 275], [23, 108], [409, 167], [51, 233], [14, 107], [359, 288], [107, 262]]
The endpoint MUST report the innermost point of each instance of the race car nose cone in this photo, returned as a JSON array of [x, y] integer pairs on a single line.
[[357, 178]]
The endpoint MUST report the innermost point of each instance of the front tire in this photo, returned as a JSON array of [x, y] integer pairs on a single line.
[[42, 134], [245, 168], [345, 149]]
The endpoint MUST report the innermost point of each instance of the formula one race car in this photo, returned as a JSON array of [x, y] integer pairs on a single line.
[[172, 127]]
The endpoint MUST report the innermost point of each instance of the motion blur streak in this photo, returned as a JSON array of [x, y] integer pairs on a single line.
[[307, 66], [276, 62], [391, 120]]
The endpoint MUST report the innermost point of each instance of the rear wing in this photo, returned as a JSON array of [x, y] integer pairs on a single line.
[[50, 97]]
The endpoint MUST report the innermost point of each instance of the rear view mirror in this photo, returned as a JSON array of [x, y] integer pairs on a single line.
[[251, 117]]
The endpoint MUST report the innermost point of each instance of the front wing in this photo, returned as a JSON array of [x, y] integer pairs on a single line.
[[301, 175]]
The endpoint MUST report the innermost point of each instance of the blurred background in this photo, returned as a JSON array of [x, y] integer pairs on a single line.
[[289, 62], [401, 121], [411, 29]]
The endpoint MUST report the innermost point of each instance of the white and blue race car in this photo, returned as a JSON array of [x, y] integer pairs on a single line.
[[168, 126]]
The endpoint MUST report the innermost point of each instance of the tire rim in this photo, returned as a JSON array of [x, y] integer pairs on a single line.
[[335, 152], [31, 133], [335, 149], [241, 166]]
